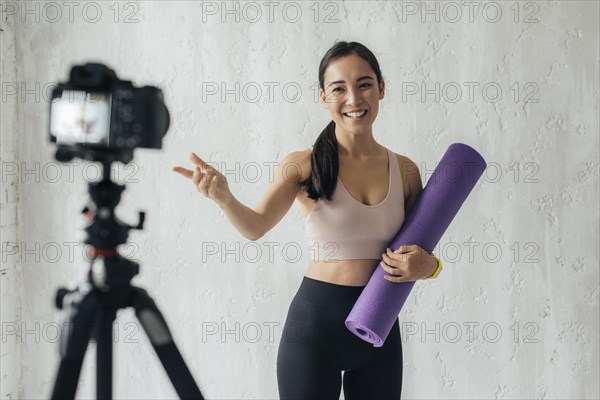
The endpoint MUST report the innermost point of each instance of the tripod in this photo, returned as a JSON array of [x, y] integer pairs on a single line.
[[92, 308]]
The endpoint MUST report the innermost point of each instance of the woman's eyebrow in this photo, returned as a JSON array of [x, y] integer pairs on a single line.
[[358, 80]]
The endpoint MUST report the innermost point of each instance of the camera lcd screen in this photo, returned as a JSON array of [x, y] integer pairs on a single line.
[[81, 117]]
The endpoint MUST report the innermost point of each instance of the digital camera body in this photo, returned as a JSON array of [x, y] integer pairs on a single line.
[[97, 112]]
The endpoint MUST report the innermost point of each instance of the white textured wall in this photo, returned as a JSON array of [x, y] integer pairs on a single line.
[[10, 271], [537, 203]]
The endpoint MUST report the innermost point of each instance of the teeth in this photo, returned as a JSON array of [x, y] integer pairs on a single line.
[[356, 114]]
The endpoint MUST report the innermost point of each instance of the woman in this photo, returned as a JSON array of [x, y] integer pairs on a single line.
[[354, 194]]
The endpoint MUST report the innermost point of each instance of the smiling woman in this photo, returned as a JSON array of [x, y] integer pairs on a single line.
[[349, 229]]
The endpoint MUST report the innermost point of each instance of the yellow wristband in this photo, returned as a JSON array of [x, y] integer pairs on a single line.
[[437, 270]]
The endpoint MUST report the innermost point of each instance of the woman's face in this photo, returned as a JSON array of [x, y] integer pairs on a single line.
[[351, 84]]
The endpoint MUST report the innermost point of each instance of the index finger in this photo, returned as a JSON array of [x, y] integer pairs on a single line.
[[198, 161], [406, 248], [183, 171]]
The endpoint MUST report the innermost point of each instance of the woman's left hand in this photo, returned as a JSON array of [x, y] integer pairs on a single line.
[[408, 263]]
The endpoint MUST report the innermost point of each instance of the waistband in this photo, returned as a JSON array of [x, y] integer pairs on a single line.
[[328, 294]]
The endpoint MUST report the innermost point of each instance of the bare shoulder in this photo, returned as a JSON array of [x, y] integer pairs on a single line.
[[296, 165], [410, 176]]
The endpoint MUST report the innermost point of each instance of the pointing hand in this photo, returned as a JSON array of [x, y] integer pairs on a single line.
[[207, 180]]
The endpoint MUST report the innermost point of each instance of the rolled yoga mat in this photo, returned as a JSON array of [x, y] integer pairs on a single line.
[[380, 302]]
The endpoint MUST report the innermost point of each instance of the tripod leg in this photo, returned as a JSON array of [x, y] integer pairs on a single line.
[[104, 355], [81, 310], [156, 328]]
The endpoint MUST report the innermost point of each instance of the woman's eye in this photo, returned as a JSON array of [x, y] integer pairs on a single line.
[[363, 85]]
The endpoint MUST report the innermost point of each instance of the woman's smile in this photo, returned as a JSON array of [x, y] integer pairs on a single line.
[[356, 116]]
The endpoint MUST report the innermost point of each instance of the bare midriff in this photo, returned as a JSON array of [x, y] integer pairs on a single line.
[[342, 272]]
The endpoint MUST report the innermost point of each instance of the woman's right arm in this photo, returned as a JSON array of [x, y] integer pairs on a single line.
[[247, 221], [253, 223]]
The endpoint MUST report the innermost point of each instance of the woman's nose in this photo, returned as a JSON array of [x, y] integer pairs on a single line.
[[353, 98]]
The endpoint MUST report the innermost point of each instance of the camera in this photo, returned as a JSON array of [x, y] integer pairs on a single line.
[[97, 116]]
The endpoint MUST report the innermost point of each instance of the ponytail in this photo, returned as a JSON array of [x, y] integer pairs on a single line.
[[324, 165]]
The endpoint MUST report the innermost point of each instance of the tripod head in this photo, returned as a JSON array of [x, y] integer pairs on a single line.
[[106, 231], [108, 268]]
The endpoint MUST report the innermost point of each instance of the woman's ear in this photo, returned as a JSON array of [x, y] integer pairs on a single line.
[[382, 89], [323, 98]]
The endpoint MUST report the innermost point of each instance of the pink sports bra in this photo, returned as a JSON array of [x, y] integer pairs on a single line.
[[346, 229]]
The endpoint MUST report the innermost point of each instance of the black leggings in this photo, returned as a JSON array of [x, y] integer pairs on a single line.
[[316, 347]]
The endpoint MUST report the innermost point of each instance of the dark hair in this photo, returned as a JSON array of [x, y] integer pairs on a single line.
[[324, 160]]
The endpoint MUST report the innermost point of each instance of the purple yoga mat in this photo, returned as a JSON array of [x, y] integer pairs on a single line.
[[380, 302]]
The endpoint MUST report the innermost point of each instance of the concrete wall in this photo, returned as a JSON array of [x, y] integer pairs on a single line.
[[513, 315], [10, 237]]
